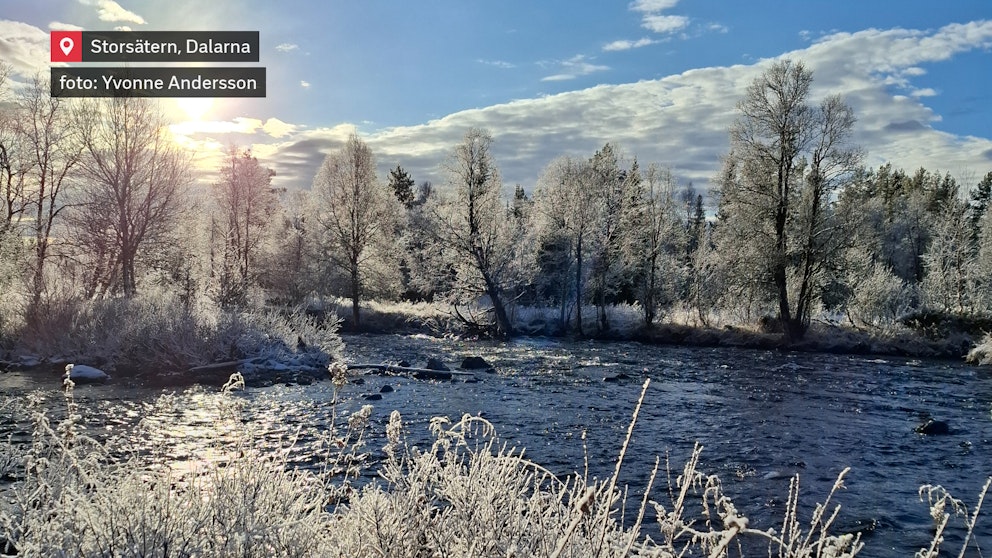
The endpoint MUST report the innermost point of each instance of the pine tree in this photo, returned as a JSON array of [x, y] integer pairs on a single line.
[[401, 183]]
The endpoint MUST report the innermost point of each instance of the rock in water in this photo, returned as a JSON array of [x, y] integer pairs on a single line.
[[82, 374], [933, 428], [475, 363], [373, 397], [386, 389], [436, 364]]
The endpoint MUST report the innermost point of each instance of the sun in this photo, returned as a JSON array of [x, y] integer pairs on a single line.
[[195, 108]]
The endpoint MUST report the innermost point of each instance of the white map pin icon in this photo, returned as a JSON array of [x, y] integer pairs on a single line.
[[66, 45]]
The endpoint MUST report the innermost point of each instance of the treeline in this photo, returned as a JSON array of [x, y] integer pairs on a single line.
[[99, 202]]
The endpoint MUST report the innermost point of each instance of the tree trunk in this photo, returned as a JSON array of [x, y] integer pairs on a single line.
[[356, 286], [578, 284], [504, 328]]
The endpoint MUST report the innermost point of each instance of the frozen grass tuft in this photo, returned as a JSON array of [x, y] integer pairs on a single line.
[[157, 331]]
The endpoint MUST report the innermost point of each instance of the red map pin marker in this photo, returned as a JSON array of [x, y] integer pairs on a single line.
[[67, 46]]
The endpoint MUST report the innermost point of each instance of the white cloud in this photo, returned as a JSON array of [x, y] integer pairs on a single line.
[[60, 26], [108, 10], [627, 45], [304, 84], [240, 125], [25, 47], [287, 47], [574, 67], [664, 23], [277, 128], [652, 18], [652, 6], [925, 92], [497, 63]]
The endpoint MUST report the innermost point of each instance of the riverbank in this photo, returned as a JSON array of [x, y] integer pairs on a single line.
[[168, 344], [626, 324]]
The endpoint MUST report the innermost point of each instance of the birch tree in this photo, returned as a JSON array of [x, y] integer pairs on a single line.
[[354, 214], [51, 154], [133, 184], [247, 209], [566, 211], [12, 179], [475, 225], [791, 158], [950, 261], [651, 243]]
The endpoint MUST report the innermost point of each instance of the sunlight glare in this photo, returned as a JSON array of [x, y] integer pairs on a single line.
[[195, 108]]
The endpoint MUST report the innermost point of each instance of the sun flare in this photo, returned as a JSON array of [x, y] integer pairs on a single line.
[[195, 109]]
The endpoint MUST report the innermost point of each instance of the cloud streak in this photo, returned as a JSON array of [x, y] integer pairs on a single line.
[[108, 10], [574, 67], [627, 45]]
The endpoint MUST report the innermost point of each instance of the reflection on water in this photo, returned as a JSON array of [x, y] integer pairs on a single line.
[[762, 417]]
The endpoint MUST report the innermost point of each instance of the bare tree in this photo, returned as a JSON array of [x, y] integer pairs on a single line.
[[134, 180], [566, 210], [612, 190], [247, 205], [13, 161], [475, 224], [354, 215], [288, 273], [52, 152], [652, 240], [790, 158], [950, 261], [13, 169]]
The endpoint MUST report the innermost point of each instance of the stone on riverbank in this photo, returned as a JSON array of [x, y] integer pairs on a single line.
[[82, 374], [475, 363], [436, 364]]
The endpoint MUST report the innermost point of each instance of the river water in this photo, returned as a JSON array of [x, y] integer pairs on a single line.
[[762, 416]]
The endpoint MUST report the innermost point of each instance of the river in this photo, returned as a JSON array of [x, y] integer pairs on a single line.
[[762, 416]]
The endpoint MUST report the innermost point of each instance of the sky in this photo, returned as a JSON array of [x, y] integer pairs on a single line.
[[658, 78]]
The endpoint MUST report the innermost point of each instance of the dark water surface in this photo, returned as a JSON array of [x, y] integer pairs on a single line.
[[761, 416]]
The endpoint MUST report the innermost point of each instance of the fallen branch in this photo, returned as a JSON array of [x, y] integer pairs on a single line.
[[220, 366], [422, 373]]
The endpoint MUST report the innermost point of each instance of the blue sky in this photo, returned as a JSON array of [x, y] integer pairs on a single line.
[[658, 77]]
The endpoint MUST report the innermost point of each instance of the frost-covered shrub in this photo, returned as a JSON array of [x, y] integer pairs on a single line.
[[982, 352], [155, 330], [879, 298], [277, 334]]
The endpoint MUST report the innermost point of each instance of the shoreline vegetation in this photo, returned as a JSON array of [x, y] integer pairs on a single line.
[[157, 338], [467, 494]]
